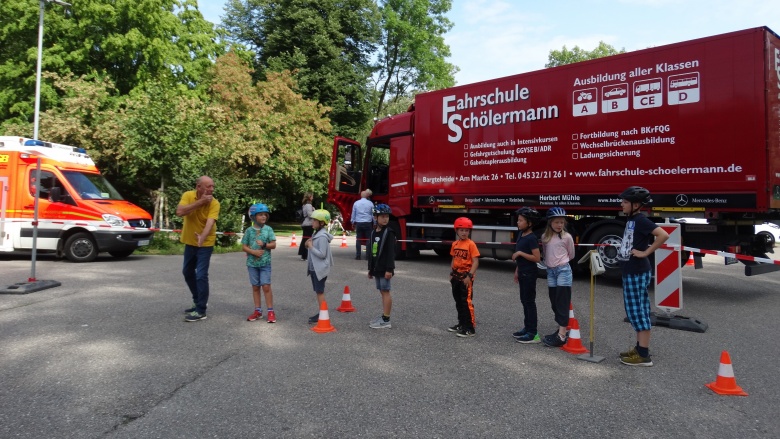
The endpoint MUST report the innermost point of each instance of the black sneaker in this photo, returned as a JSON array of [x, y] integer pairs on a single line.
[[190, 310], [465, 333], [315, 318], [519, 333], [553, 340], [194, 317], [529, 338], [455, 328]]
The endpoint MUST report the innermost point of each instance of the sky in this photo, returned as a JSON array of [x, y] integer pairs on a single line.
[[495, 38]]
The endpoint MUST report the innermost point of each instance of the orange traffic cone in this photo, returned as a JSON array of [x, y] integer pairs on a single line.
[[574, 343], [293, 243], [725, 383], [690, 260], [346, 302], [571, 315], [343, 240], [323, 324]]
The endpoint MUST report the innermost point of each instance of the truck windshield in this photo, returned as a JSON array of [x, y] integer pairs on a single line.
[[91, 186]]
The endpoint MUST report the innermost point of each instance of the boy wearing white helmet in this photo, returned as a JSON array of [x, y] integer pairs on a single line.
[[257, 243]]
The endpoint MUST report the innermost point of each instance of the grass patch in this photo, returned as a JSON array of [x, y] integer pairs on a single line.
[[167, 243]]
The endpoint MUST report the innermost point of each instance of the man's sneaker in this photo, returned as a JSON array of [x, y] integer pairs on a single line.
[[519, 333], [455, 328], [554, 340], [194, 317], [628, 353], [271, 317], [380, 323], [191, 309], [465, 333], [529, 338], [315, 318], [636, 360], [255, 315]]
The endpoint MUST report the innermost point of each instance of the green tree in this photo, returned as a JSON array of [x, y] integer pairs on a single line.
[[326, 43], [566, 56], [129, 41], [412, 53]]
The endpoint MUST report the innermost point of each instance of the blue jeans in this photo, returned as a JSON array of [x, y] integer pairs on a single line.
[[196, 274]]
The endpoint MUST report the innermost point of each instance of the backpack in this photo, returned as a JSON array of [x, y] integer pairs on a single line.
[[299, 215]]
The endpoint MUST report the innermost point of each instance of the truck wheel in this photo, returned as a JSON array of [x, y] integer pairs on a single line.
[[122, 254], [80, 247], [769, 238], [610, 236]]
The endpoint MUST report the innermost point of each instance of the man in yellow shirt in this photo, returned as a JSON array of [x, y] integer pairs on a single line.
[[200, 211]]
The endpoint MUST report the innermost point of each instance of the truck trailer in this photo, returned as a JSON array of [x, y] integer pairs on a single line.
[[696, 122]]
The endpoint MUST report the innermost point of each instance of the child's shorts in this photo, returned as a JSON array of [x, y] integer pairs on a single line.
[[317, 285], [559, 276], [382, 284], [259, 276], [636, 300]]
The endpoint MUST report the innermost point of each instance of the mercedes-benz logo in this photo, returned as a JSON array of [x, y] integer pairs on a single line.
[[681, 199], [431, 200]]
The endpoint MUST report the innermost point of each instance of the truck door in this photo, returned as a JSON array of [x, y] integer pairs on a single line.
[[5, 237], [346, 175], [401, 173]]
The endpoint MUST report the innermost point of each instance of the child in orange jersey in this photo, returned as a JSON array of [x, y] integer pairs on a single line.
[[465, 260]]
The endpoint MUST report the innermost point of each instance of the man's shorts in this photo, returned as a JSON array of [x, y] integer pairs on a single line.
[[636, 300], [382, 284], [259, 276]]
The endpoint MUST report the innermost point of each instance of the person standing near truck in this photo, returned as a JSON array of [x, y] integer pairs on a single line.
[[465, 260], [308, 231], [526, 256], [637, 272], [381, 262], [558, 251], [200, 211], [363, 221]]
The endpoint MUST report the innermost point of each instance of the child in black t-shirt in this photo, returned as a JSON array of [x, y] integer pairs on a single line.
[[526, 256]]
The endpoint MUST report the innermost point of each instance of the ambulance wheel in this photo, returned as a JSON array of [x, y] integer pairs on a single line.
[[80, 247], [122, 254]]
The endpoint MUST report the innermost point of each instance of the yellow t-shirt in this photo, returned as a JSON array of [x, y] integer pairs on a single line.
[[195, 221]]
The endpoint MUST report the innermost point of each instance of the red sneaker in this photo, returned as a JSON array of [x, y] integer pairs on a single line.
[[271, 317], [255, 315]]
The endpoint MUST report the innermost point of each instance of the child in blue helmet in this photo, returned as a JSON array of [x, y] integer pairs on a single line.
[[558, 248], [257, 243], [381, 262]]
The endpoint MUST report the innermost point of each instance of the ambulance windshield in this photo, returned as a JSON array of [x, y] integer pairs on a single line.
[[91, 186]]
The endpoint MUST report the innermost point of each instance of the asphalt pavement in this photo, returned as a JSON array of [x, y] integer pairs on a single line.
[[108, 355]]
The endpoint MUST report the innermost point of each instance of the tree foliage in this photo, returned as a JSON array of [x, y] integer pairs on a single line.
[[129, 41], [412, 53], [566, 56], [326, 43]]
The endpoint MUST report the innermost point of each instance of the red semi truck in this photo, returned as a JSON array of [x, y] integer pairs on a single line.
[[696, 122]]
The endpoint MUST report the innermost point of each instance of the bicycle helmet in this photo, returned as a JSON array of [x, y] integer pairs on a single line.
[[556, 212], [258, 208], [463, 223], [529, 213], [321, 215], [636, 194], [381, 209]]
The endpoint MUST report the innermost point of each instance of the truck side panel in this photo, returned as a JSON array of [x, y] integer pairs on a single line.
[[689, 121], [773, 116]]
